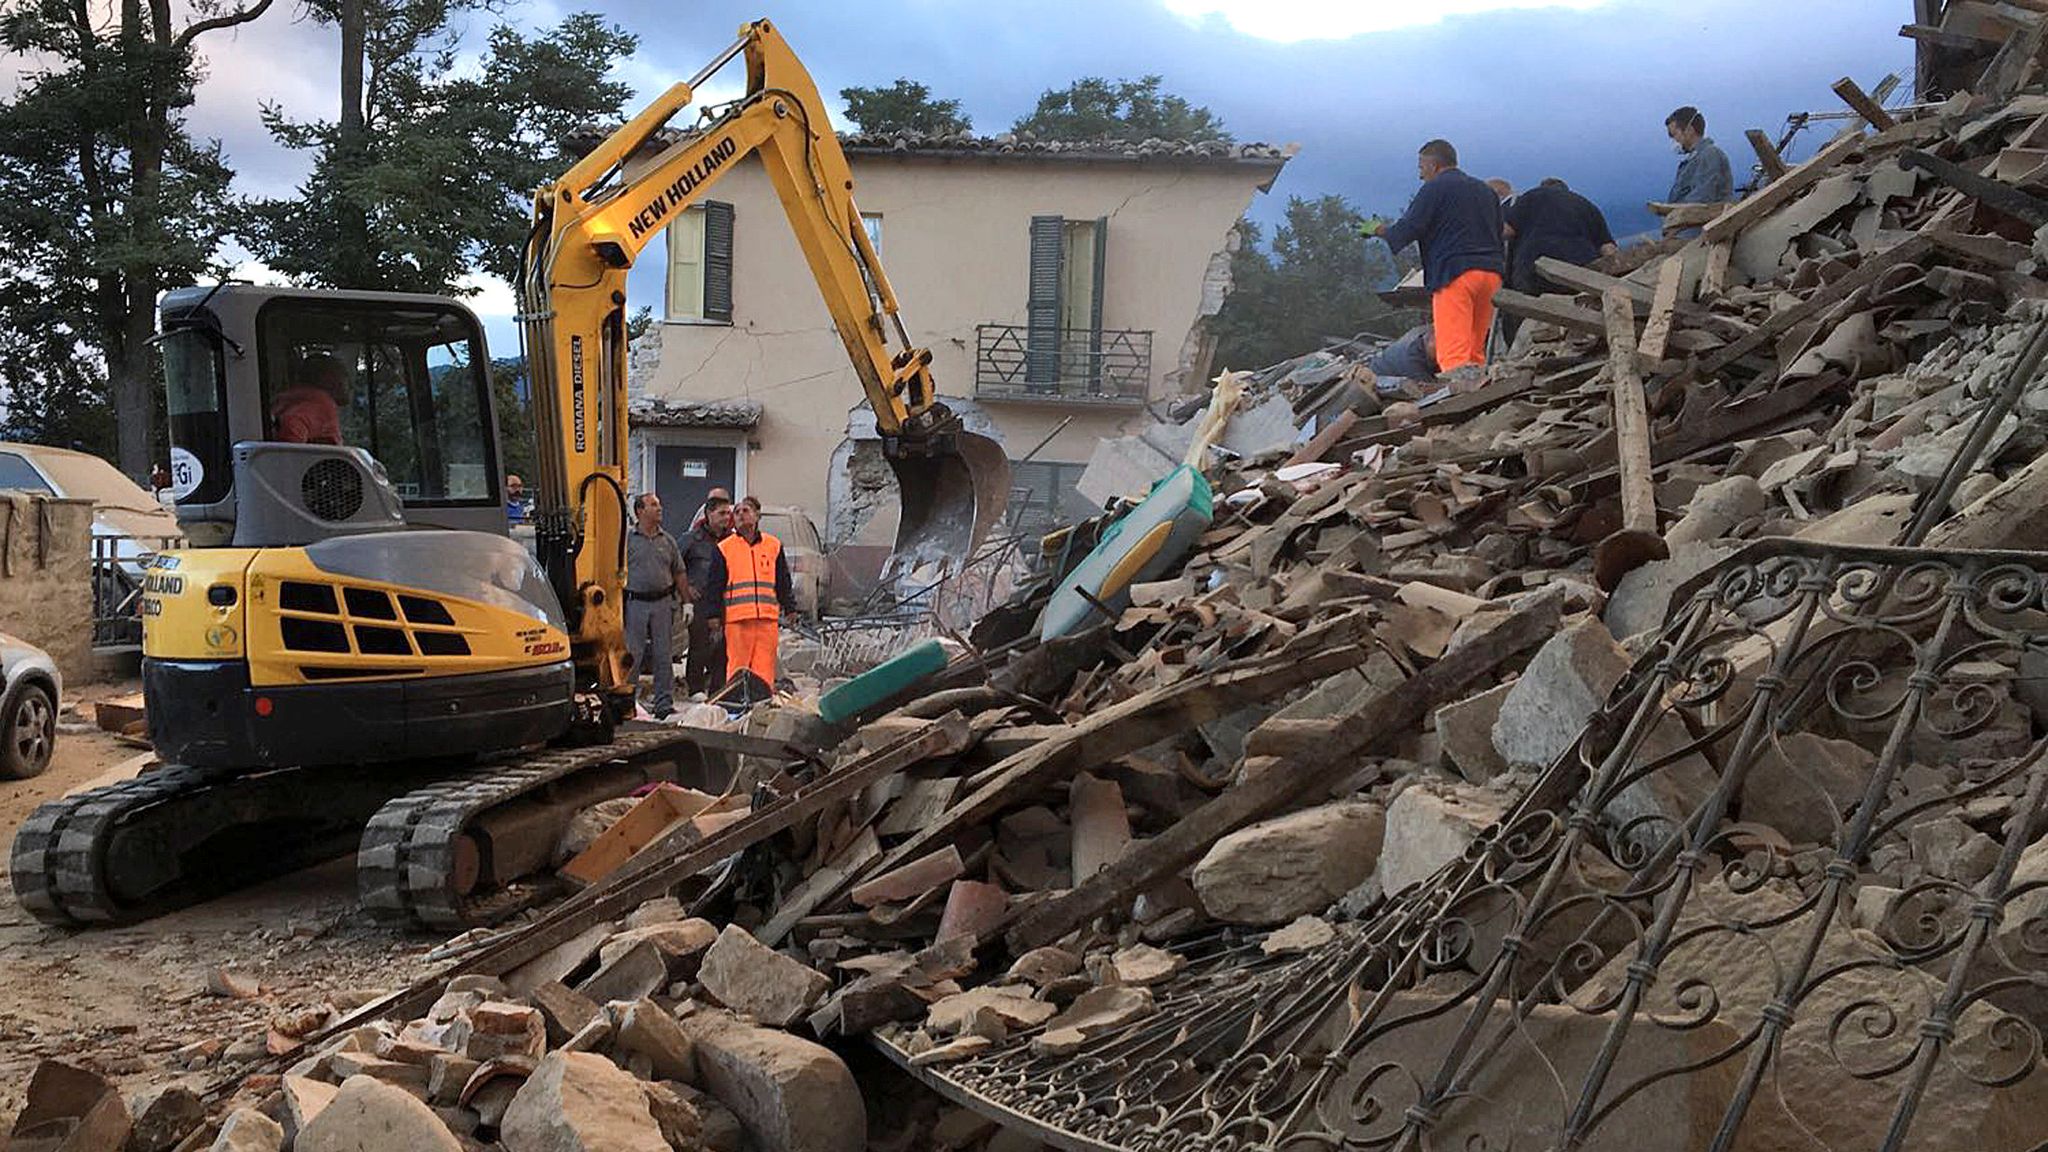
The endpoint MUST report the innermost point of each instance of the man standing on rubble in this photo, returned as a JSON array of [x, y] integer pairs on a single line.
[[1704, 176], [704, 567], [756, 592], [1457, 221], [654, 585], [1552, 220]]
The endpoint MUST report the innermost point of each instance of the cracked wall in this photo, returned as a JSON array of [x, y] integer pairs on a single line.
[[955, 244]]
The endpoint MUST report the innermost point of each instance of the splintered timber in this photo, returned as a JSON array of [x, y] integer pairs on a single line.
[[665, 201]]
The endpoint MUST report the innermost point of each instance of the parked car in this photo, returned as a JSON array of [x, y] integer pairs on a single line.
[[810, 569], [129, 526], [29, 691]]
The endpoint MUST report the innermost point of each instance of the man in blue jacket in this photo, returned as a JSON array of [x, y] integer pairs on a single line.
[[1704, 176], [1456, 219]]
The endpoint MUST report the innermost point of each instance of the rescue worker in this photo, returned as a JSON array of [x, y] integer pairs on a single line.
[[310, 412], [655, 583], [517, 506], [756, 592], [1703, 176], [704, 566], [1551, 220], [714, 494], [1456, 219]]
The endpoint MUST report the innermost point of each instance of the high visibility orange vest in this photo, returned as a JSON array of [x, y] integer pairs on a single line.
[[750, 578]]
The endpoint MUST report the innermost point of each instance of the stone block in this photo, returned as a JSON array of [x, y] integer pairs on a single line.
[[1271, 872], [579, 1102], [790, 1095], [749, 977], [368, 1115], [1429, 825]]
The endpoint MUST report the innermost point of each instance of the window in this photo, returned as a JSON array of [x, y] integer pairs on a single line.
[[408, 385], [1063, 308], [16, 472], [1042, 497], [700, 264], [872, 222], [194, 385]]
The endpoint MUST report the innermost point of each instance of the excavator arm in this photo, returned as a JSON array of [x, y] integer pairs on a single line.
[[591, 225]]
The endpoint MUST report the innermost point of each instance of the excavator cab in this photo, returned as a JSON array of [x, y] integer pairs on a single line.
[[297, 416]]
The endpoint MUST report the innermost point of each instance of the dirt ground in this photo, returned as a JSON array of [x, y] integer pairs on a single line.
[[125, 1000]]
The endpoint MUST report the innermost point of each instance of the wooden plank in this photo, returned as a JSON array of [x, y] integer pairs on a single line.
[[635, 885], [1139, 722], [1768, 198], [1767, 154], [1663, 303], [1991, 251], [1579, 318], [1302, 757], [1827, 296], [1983, 189], [1320, 444], [1714, 278], [1589, 280], [1637, 542], [816, 888], [1857, 99]]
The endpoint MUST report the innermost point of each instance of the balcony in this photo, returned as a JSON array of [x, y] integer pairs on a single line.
[[1109, 368]]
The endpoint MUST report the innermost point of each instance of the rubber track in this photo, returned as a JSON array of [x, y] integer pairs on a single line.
[[55, 861], [405, 865]]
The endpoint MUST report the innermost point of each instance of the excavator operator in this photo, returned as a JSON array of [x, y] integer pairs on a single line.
[[310, 412]]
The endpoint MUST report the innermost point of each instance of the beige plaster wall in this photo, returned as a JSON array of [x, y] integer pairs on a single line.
[[46, 577], [955, 243]]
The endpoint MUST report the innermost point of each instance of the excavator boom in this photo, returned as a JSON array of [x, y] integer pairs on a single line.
[[591, 225]]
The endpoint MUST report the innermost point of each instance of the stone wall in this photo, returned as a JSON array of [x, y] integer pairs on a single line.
[[46, 577]]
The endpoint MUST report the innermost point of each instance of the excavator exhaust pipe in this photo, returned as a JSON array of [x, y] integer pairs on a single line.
[[953, 496]]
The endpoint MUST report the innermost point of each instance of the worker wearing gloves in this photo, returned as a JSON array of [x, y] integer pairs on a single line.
[[1703, 176], [755, 594], [1457, 221]]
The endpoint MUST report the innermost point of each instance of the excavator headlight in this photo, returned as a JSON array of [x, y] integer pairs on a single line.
[[612, 253]]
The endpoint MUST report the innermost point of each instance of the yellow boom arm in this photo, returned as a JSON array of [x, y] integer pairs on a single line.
[[590, 226]]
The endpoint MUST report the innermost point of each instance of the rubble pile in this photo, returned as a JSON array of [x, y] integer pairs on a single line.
[[1424, 624]]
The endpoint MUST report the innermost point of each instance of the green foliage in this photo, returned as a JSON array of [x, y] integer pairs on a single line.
[[1319, 282], [105, 200], [510, 393], [905, 106], [440, 184], [1092, 108]]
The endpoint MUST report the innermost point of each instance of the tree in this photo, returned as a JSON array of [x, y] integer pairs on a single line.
[[1092, 108], [1320, 281], [428, 175], [905, 106], [105, 201]]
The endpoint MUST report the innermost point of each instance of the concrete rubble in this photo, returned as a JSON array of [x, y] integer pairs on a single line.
[[1394, 623]]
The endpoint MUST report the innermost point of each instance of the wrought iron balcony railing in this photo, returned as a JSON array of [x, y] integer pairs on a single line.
[[1067, 365]]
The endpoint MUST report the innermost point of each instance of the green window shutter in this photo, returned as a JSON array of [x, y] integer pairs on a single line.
[[718, 261], [1095, 374], [1042, 306]]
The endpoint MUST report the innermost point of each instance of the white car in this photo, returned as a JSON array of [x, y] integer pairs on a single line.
[[29, 690]]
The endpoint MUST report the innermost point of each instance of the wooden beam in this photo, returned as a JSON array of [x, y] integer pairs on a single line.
[[1579, 318], [1983, 189], [1663, 303], [1139, 722], [1857, 99], [1637, 542], [1304, 755], [641, 881], [1826, 296], [1768, 198], [1767, 154], [1714, 277]]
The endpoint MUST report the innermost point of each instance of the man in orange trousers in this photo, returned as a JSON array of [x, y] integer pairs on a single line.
[[1456, 219], [755, 594]]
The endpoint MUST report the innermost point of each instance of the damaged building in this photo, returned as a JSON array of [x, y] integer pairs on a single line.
[[1060, 287]]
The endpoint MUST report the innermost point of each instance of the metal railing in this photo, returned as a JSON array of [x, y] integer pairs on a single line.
[[1069, 365], [118, 566], [1718, 921]]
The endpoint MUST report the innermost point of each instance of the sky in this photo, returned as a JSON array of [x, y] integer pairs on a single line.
[[1524, 88]]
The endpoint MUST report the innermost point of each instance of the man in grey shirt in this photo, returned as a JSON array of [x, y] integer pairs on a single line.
[[655, 584], [1704, 176]]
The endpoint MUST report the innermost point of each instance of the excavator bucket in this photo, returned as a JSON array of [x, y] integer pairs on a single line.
[[951, 502]]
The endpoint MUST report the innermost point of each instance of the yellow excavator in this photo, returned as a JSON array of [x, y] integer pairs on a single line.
[[352, 650]]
